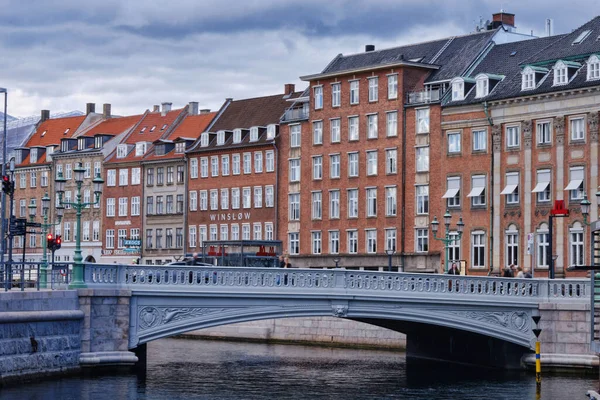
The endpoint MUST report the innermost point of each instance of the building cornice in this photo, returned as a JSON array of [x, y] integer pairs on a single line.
[[314, 77]]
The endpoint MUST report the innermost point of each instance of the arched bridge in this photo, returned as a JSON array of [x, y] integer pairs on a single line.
[[170, 300]]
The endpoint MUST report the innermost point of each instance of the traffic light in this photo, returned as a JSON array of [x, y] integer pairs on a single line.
[[6, 184], [50, 241], [57, 242]]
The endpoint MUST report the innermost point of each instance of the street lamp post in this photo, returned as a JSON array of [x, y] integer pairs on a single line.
[[78, 205], [336, 260], [45, 229], [3, 225], [390, 252], [446, 239]]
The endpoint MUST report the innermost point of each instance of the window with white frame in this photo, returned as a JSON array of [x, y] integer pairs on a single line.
[[513, 135], [257, 231], [123, 206], [479, 140], [391, 123], [111, 177], [247, 163], [422, 154], [353, 129], [482, 86], [371, 240], [453, 246], [235, 164], [237, 136], [334, 242], [422, 193], [373, 88], [560, 73], [67, 232], [576, 246], [44, 180], [224, 232], [214, 166], [269, 161], [372, 131], [334, 204], [527, 79], [318, 97], [110, 238], [213, 233], [294, 243], [140, 148], [390, 239], [246, 197], [180, 147], [214, 199], [542, 188], [334, 166], [121, 151], [269, 196], [372, 162], [577, 128], [422, 242], [258, 191], [193, 200], [390, 201], [392, 86], [318, 132], [352, 203], [352, 236], [192, 236], [235, 198], [371, 202], [258, 162], [294, 206], [224, 199], [295, 132], [317, 167], [543, 246], [88, 169], [220, 138], [316, 242], [353, 164], [110, 207], [136, 175], [294, 170], [204, 167], [477, 193], [203, 200], [33, 179], [543, 132], [593, 68], [576, 183], [478, 249], [235, 232], [511, 249], [422, 120], [123, 177], [511, 190], [354, 95], [204, 139], [68, 171], [391, 161], [23, 180], [335, 126], [453, 142], [122, 235], [33, 155], [202, 235], [271, 131], [135, 205], [193, 168], [254, 134], [336, 94], [458, 90]]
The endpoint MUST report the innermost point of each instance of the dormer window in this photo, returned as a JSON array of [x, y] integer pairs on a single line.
[[593, 68], [81, 144], [220, 138], [254, 134], [204, 139], [180, 147], [528, 79], [49, 152], [121, 151], [482, 87], [64, 146], [98, 142], [271, 131], [160, 150], [458, 90], [19, 156], [140, 148], [33, 155], [237, 135], [560, 74]]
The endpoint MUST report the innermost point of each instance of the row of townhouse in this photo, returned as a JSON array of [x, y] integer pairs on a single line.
[[492, 126]]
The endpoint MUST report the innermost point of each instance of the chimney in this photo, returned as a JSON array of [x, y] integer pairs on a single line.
[[106, 110], [503, 19], [289, 88], [204, 111], [166, 107], [193, 108], [90, 108], [156, 108], [369, 47], [549, 27], [45, 115]]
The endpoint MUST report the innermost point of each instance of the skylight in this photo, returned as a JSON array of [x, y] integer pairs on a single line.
[[163, 127], [153, 128], [514, 53], [44, 133], [67, 131], [143, 129], [582, 36]]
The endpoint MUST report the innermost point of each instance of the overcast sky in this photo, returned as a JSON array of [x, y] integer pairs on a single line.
[[61, 54]]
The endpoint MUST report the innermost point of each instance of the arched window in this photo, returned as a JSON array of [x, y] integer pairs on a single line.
[[528, 79], [560, 74], [593, 68]]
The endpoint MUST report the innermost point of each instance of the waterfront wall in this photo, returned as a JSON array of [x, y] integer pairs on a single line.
[[40, 334]]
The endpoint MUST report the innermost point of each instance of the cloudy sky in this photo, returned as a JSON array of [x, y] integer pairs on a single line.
[[61, 54]]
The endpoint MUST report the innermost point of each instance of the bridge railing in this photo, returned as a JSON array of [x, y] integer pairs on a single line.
[[189, 278]]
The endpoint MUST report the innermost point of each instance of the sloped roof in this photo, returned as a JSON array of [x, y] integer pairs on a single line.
[[113, 126], [192, 126], [51, 131]]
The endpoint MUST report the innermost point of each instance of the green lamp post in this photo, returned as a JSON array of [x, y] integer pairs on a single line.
[[447, 239]]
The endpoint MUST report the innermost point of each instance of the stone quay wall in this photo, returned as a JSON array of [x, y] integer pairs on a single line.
[[40, 334]]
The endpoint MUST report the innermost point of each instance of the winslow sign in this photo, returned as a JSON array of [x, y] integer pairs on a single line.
[[230, 217]]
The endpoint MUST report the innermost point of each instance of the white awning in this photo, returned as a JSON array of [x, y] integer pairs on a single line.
[[476, 191], [509, 189], [574, 184], [540, 187], [450, 193]]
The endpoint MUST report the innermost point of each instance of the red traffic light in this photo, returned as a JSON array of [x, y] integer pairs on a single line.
[[58, 239], [49, 236], [6, 178]]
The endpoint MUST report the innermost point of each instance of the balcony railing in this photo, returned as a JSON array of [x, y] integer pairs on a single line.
[[424, 96], [294, 114]]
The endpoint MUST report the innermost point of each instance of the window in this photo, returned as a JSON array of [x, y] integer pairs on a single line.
[[110, 238], [123, 177], [204, 167], [123, 206], [179, 238], [543, 246], [202, 235], [67, 233], [528, 79], [317, 205], [247, 163], [390, 201], [271, 131], [193, 168], [220, 138], [391, 161], [316, 242], [270, 161], [295, 170], [213, 232], [214, 166], [334, 204], [294, 206], [88, 170], [392, 86], [122, 235], [373, 89], [390, 239], [295, 132], [318, 132], [543, 132], [512, 188], [371, 163], [33, 156], [317, 167], [542, 188], [257, 196], [352, 242], [577, 127], [160, 149], [258, 162], [458, 90], [478, 249], [334, 242], [235, 164], [453, 191], [111, 177], [44, 180], [477, 193], [235, 198], [237, 136], [193, 200], [560, 74], [204, 139], [593, 68], [354, 92], [140, 148], [334, 166], [159, 236], [180, 147], [257, 231], [135, 205], [95, 231], [454, 247], [423, 120], [513, 134], [336, 92], [422, 192], [371, 239], [352, 203], [352, 164], [214, 199], [372, 131], [246, 197], [235, 232], [136, 175], [33, 179], [511, 239], [371, 202], [22, 208], [149, 205], [482, 87], [318, 97], [422, 240], [353, 128], [335, 130], [150, 176], [68, 171], [454, 142], [160, 175], [224, 199], [422, 159], [159, 205], [269, 196], [577, 256], [224, 232], [576, 186], [59, 171], [294, 243], [479, 140], [149, 241], [392, 123], [121, 151], [110, 207]]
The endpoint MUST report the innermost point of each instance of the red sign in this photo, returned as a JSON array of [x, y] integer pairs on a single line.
[[559, 209]]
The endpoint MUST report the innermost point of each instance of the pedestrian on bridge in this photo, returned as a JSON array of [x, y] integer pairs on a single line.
[[454, 269]]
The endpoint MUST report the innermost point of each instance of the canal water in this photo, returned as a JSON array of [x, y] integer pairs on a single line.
[[197, 369]]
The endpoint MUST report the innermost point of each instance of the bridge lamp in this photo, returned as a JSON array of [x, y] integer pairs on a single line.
[[447, 218], [390, 252], [32, 209], [435, 225], [448, 238], [45, 204], [59, 185], [585, 208], [336, 261]]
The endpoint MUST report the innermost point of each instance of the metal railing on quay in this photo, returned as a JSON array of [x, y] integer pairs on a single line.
[[31, 275]]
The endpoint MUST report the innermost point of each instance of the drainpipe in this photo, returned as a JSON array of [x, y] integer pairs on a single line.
[[276, 192], [403, 214], [491, 123]]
